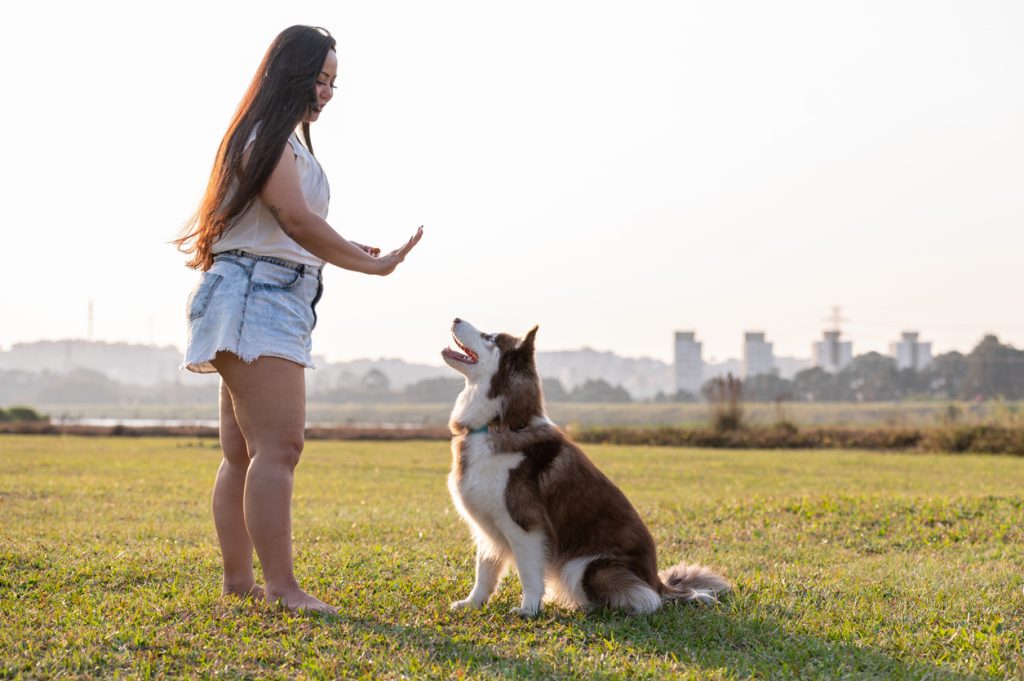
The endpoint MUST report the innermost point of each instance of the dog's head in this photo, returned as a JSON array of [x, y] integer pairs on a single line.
[[502, 364]]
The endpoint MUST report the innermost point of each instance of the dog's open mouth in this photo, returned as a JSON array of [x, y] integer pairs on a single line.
[[469, 357]]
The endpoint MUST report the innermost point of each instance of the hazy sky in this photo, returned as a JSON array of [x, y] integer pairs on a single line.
[[613, 171]]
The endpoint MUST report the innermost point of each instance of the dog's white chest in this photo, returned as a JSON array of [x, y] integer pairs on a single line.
[[477, 484]]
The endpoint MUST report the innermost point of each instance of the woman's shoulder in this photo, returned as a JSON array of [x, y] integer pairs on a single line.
[[257, 128], [296, 145], [293, 140]]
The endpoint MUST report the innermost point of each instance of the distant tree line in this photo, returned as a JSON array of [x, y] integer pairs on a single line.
[[990, 370], [375, 387], [85, 386], [20, 414]]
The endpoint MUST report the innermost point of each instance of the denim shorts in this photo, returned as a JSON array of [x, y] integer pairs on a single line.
[[252, 306]]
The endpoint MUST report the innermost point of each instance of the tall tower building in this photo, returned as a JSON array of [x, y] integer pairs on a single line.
[[758, 357], [831, 354], [910, 353], [689, 364]]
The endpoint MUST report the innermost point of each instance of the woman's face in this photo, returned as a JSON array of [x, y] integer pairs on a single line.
[[324, 86]]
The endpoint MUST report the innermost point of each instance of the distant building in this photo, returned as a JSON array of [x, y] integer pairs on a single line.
[[911, 353], [758, 357], [689, 364], [832, 354]]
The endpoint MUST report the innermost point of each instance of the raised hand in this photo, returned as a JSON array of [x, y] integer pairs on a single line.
[[388, 263]]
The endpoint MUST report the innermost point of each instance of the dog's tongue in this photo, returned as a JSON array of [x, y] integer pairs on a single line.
[[458, 356]]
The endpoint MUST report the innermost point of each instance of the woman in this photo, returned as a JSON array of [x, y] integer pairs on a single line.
[[260, 238]]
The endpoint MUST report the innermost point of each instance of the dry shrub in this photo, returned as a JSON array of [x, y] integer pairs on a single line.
[[976, 438], [724, 398], [980, 439], [987, 439], [318, 433]]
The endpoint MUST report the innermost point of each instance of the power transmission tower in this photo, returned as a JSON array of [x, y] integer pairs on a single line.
[[836, 319]]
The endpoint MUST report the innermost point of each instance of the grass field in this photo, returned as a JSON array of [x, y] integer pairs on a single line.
[[846, 564]]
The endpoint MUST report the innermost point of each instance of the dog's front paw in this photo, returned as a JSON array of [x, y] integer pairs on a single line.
[[527, 611], [466, 604]]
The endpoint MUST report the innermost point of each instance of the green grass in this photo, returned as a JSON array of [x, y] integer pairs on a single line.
[[846, 564]]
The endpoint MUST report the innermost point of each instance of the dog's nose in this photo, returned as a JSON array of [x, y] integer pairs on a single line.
[[457, 321]]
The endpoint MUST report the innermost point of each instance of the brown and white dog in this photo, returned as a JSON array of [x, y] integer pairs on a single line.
[[531, 496]]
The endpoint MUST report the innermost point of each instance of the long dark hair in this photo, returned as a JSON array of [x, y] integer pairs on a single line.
[[279, 97]]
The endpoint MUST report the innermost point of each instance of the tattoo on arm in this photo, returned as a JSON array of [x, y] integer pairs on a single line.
[[276, 212]]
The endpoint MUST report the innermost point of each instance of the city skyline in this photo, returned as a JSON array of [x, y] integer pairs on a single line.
[[612, 172], [757, 337]]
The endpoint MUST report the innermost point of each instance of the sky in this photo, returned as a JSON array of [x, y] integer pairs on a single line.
[[611, 171]]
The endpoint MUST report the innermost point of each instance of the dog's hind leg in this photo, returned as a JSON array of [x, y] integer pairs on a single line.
[[612, 584], [491, 563], [565, 583]]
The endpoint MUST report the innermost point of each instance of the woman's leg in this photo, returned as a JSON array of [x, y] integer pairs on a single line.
[[269, 398], [228, 511]]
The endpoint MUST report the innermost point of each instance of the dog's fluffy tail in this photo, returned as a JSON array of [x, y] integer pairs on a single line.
[[692, 583]]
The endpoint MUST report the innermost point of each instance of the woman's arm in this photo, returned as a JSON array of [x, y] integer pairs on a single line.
[[282, 195]]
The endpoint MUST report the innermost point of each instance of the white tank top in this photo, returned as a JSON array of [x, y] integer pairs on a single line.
[[257, 232]]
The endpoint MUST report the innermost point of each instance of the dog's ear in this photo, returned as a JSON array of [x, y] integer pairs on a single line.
[[527, 343]]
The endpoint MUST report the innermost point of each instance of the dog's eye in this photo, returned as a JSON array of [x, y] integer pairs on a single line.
[[489, 337]]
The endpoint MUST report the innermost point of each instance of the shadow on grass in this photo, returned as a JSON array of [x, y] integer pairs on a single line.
[[762, 647], [439, 646], [675, 639]]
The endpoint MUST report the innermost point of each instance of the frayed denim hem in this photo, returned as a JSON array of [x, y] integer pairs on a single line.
[[205, 366]]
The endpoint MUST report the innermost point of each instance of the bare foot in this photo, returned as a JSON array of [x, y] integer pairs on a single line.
[[298, 600], [255, 592]]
